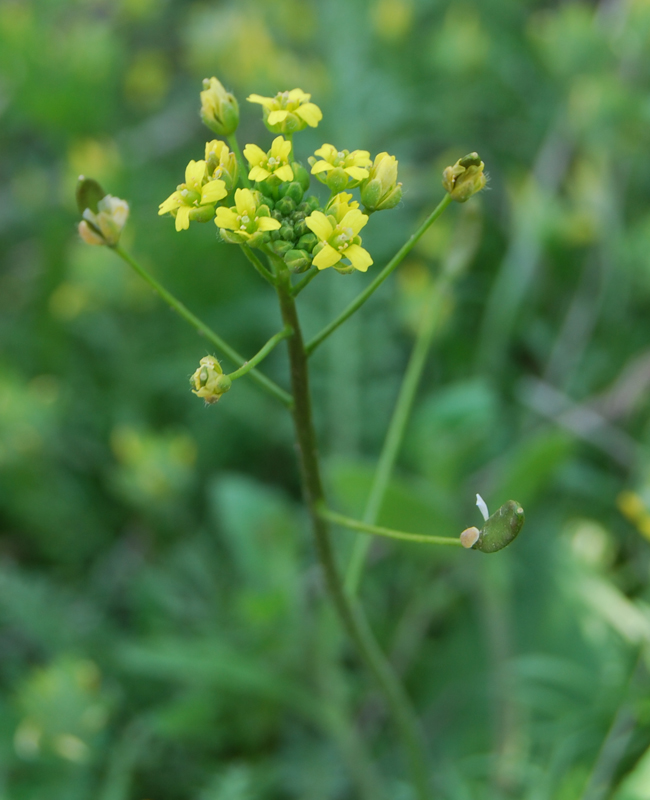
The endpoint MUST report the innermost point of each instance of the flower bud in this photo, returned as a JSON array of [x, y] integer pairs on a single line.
[[301, 175], [308, 242], [221, 163], [465, 178], [380, 191], [219, 108], [297, 260], [281, 247], [293, 190], [104, 216], [286, 205], [208, 381]]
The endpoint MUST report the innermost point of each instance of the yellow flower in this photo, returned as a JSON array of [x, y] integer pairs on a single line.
[[465, 178], [339, 238], [248, 219], [288, 112], [219, 108], [340, 204], [381, 190], [338, 168], [105, 226], [194, 199], [275, 162], [208, 381], [222, 163]]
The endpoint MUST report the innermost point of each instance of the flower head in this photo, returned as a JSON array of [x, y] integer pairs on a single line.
[[219, 108], [275, 162], [249, 219], [338, 168], [288, 112], [195, 199], [338, 235], [221, 163], [465, 178], [105, 225], [208, 381], [380, 190]]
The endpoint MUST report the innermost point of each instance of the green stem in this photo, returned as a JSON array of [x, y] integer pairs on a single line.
[[349, 611], [395, 432], [243, 170], [262, 353], [203, 329], [309, 277], [263, 271], [386, 271], [364, 527], [289, 138]]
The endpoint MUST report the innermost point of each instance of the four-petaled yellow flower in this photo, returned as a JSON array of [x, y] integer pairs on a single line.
[[194, 199], [336, 168], [288, 112], [275, 162], [338, 233], [247, 218]]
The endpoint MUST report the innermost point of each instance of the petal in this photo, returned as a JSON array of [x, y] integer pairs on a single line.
[[88, 234], [357, 173], [183, 218], [226, 218], [321, 166], [327, 257], [318, 223], [245, 202], [280, 148], [299, 95], [267, 102], [354, 219], [258, 174], [285, 173], [359, 158], [326, 151], [254, 154], [311, 113], [358, 257], [213, 191], [267, 224], [194, 174], [277, 116], [172, 202]]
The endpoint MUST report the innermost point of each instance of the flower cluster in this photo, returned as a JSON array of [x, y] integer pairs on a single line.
[[261, 198]]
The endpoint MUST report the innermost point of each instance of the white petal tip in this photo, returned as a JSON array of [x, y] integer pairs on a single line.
[[469, 537], [482, 507]]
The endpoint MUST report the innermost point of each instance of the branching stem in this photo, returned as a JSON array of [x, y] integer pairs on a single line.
[[262, 353], [203, 329]]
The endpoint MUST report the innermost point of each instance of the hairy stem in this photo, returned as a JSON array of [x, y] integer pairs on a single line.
[[203, 329], [390, 533], [262, 353], [395, 261], [349, 611]]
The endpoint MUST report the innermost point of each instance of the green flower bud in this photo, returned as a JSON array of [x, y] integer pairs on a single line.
[[219, 108], [309, 204], [465, 178], [297, 260], [308, 242], [292, 190], [301, 175], [300, 227], [286, 206], [336, 179], [208, 381], [380, 191], [103, 217], [287, 232], [231, 237], [281, 247]]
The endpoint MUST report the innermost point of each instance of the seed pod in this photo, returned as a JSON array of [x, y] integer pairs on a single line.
[[501, 528]]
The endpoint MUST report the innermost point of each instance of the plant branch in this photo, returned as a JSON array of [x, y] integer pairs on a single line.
[[262, 353], [243, 171], [203, 329], [301, 284], [350, 612], [364, 527], [263, 271], [395, 261]]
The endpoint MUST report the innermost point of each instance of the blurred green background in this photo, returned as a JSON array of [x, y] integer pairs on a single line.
[[163, 634]]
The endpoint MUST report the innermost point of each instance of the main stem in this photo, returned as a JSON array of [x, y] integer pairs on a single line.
[[349, 611]]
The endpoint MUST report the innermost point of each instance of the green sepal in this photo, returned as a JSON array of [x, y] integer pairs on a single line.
[[501, 528], [89, 193]]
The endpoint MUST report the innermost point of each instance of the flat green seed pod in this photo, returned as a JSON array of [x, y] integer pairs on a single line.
[[501, 528]]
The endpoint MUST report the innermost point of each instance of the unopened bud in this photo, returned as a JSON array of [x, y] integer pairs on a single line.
[[104, 216], [208, 381], [380, 191], [219, 108], [297, 260], [465, 178]]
